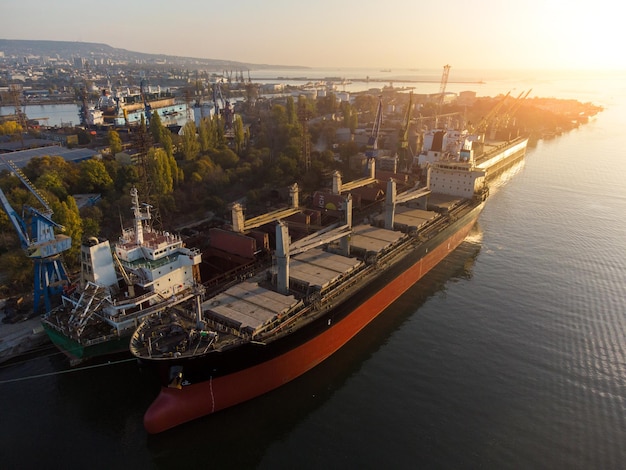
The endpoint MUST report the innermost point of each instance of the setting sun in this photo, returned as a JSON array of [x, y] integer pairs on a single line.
[[393, 34]]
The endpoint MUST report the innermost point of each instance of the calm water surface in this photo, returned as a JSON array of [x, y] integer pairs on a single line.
[[511, 354]]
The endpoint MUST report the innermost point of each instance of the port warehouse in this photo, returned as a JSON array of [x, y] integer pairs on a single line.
[[21, 157]]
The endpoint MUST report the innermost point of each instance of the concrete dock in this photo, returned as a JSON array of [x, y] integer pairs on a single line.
[[20, 337]]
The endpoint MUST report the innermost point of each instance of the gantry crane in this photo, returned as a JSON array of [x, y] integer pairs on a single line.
[[36, 231]]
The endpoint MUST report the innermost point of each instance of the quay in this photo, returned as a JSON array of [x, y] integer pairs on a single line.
[[21, 337]]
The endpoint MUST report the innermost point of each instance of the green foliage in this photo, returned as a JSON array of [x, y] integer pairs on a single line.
[[366, 104], [206, 134], [19, 271], [156, 127], [327, 104], [84, 138], [115, 142], [38, 166], [238, 130], [160, 172], [225, 158], [52, 182], [92, 217], [190, 145], [66, 213], [350, 117], [290, 108], [10, 128], [166, 141], [94, 177]]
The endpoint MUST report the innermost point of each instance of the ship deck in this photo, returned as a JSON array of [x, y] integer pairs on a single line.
[[249, 307], [409, 217]]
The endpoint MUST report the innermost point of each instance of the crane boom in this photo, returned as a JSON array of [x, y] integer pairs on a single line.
[[372, 142], [442, 86], [17, 222], [484, 122], [35, 230], [29, 185], [403, 141]]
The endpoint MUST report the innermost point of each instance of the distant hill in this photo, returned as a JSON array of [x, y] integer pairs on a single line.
[[69, 49]]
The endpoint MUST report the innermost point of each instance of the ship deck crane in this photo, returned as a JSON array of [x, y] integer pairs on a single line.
[[35, 230]]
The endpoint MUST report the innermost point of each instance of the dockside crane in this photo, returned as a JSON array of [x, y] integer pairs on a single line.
[[442, 92], [226, 111], [371, 150], [481, 127], [36, 231], [510, 113], [403, 140], [146, 105]]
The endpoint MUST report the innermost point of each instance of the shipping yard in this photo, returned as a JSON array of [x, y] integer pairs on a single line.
[[217, 131]]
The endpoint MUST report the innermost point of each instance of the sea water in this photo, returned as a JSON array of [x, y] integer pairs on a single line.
[[510, 354]]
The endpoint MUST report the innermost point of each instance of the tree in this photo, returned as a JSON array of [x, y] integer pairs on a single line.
[[66, 213], [10, 128], [156, 127], [292, 114], [160, 172], [53, 182], [92, 218], [327, 104], [166, 141], [239, 133], [204, 134], [225, 158], [190, 145], [94, 176], [115, 142]]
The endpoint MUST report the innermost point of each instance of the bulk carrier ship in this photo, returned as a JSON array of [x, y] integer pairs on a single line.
[[320, 292]]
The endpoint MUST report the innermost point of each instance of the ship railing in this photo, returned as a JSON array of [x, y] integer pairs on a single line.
[[155, 308]]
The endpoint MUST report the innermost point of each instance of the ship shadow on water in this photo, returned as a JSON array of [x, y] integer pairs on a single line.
[[240, 436]]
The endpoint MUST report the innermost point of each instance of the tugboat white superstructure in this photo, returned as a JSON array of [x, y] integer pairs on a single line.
[[147, 271]]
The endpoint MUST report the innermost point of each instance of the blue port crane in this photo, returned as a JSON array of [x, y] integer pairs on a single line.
[[36, 231]]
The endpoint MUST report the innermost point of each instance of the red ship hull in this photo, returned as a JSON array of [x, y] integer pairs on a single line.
[[173, 406]]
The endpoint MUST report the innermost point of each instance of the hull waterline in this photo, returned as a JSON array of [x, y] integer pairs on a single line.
[[174, 406]]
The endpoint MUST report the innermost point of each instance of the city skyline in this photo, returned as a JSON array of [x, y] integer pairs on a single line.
[[341, 34]]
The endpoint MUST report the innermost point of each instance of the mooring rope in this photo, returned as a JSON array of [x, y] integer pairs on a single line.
[[67, 371]]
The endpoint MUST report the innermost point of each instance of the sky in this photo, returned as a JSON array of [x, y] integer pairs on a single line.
[[480, 34]]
